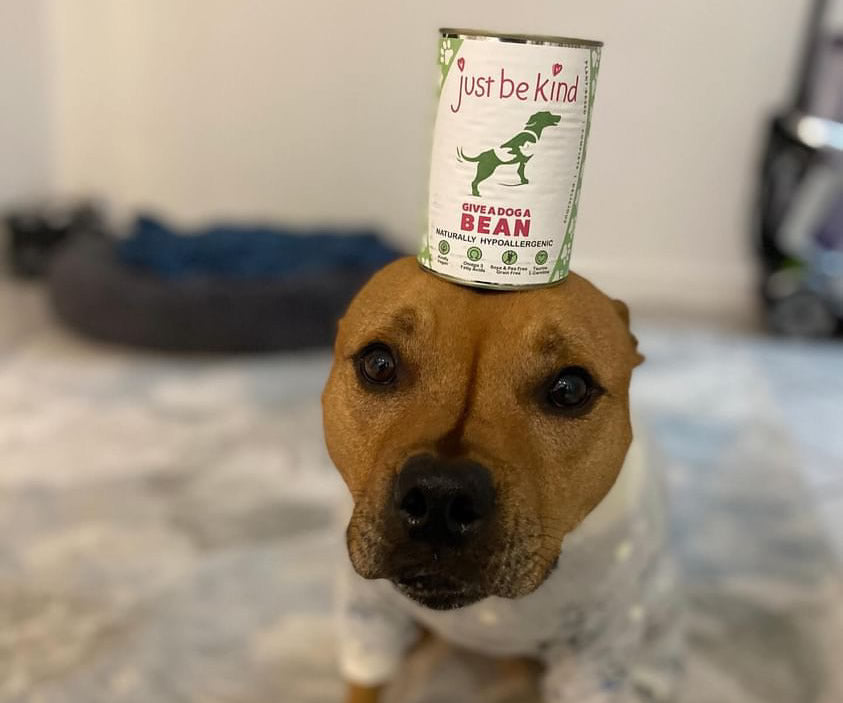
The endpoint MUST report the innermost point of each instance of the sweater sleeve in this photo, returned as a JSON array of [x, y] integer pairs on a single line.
[[374, 633]]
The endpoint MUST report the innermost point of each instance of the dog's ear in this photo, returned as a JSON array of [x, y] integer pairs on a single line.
[[623, 312]]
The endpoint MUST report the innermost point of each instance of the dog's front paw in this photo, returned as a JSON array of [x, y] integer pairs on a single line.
[[362, 694]]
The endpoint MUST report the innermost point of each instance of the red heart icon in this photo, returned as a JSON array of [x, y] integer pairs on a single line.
[[461, 63], [556, 68]]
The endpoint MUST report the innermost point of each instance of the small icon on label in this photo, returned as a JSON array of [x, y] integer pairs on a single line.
[[444, 247], [509, 257], [541, 257], [474, 254]]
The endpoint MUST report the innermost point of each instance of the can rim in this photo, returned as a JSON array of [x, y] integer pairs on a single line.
[[488, 286], [539, 39]]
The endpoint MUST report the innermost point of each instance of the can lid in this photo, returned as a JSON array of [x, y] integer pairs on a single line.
[[541, 39]]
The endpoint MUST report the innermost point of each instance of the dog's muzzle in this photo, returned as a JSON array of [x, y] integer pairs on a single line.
[[441, 515]]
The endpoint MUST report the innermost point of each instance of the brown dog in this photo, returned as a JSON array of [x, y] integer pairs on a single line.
[[474, 430]]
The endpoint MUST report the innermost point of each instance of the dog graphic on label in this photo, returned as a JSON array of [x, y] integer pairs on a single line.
[[510, 152]]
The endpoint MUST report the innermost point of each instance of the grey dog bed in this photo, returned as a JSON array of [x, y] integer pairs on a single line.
[[93, 292]]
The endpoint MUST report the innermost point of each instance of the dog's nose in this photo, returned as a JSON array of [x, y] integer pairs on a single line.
[[442, 502]]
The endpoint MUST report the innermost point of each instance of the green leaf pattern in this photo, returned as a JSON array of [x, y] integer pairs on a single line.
[[563, 261], [448, 50]]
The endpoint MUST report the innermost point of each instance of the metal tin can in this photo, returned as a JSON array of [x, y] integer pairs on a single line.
[[509, 146]]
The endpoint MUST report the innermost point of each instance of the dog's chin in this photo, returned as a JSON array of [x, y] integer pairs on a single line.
[[439, 595]]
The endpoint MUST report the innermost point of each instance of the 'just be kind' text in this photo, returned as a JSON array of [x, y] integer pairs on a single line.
[[543, 89]]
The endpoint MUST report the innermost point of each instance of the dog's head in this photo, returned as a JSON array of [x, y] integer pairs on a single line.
[[474, 429], [540, 120]]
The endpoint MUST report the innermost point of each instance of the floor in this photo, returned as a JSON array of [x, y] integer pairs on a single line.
[[168, 531]]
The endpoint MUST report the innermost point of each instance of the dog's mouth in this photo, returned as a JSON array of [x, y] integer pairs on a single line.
[[439, 592]]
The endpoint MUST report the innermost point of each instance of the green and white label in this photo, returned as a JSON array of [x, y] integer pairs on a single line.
[[508, 152]]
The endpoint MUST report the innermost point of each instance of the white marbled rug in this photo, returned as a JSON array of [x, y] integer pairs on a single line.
[[166, 522]]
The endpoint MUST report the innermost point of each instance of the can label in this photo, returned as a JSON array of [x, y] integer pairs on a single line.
[[509, 145]]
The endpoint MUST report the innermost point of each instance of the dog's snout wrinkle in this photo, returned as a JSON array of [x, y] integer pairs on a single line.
[[450, 444]]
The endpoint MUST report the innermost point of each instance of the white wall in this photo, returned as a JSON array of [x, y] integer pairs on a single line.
[[26, 155], [322, 111], [834, 18]]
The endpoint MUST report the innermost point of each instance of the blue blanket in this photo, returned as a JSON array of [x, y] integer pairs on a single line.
[[244, 252]]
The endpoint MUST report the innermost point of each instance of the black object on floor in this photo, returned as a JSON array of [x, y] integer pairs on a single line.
[[35, 232], [799, 232]]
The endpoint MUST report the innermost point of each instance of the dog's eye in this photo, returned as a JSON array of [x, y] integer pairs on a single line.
[[376, 364], [573, 390]]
